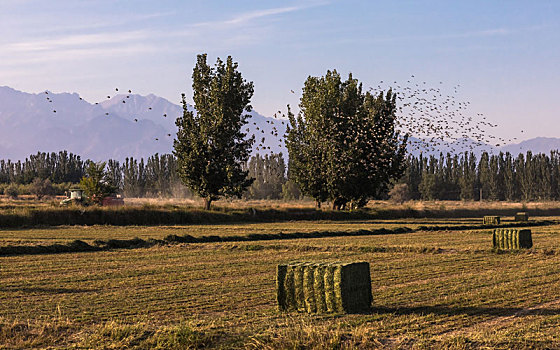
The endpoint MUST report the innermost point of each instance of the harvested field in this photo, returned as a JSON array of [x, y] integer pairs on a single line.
[[430, 289]]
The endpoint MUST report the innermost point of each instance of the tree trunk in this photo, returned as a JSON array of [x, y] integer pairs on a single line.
[[317, 204], [207, 202], [339, 204]]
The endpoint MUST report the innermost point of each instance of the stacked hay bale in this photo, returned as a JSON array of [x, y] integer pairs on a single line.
[[521, 216], [323, 287], [491, 220], [508, 239]]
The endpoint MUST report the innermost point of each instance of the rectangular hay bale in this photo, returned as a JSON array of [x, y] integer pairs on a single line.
[[521, 216], [508, 239], [491, 220], [324, 287]]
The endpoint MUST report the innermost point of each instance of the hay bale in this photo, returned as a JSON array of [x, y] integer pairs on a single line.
[[511, 239], [491, 220], [521, 216], [324, 287]]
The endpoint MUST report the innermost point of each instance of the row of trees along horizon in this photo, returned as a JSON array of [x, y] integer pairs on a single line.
[[343, 148], [54, 173], [447, 177]]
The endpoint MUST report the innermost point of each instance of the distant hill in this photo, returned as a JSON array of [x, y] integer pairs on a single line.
[[128, 126], [536, 145], [50, 122]]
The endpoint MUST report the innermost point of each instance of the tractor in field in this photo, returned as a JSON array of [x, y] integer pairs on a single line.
[[77, 196], [73, 196]]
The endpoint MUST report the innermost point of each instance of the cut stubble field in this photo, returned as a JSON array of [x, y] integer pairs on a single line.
[[431, 289]]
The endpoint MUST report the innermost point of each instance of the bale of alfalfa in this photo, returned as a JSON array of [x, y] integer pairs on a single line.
[[521, 216], [491, 220], [324, 287], [511, 239]]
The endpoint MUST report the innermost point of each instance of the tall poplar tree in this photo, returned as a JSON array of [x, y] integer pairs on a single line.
[[210, 146], [343, 146]]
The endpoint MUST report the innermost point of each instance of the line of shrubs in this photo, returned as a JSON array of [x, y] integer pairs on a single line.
[[37, 187], [152, 215]]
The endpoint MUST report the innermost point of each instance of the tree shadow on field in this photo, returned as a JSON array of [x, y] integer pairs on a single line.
[[466, 310], [47, 290]]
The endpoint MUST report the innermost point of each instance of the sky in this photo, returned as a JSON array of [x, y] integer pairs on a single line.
[[504, 55]]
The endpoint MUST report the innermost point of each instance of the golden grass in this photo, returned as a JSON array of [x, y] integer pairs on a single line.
[[430, 289], [65, 234], [305, 203]]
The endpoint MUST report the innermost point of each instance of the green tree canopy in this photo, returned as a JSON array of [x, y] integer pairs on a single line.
[[96, 183], [210, 146], [343, 146]]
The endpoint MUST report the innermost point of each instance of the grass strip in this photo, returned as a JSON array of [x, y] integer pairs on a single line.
[[151, 216], [98, 245]]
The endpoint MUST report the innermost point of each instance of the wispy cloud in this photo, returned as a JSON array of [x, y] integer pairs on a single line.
[[119, 21], [247, 17], [126, 37], [243, 18], [109, 40], [80, 40]]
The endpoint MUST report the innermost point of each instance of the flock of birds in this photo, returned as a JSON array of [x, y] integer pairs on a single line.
[[127, 96], [436, 118]]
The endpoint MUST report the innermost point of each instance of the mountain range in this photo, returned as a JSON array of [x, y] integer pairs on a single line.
[[131, 125], [124, 125]]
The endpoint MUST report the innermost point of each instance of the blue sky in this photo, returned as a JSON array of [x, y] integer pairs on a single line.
[[504, 54]]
